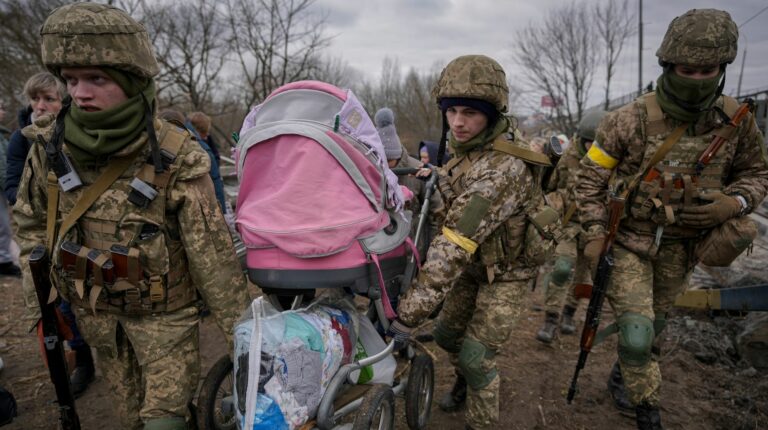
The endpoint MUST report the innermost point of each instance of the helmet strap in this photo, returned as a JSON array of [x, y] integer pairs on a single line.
[[157, 160], [443, 141]]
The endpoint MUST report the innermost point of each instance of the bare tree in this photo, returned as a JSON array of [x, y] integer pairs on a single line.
[[274, 42], [190, 45], [615, 24], [336, 71], [558, 57]]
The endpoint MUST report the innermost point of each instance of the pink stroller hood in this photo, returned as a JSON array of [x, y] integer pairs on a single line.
[[306, 189]]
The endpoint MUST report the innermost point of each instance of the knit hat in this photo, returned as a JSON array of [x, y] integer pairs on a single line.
[[385, 125], [487, 108]]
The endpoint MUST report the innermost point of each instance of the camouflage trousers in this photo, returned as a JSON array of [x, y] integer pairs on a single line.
[[487, 314], [647, 287], [151, 363], [556, 294]]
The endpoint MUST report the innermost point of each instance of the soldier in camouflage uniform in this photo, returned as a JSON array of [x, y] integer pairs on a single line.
[[144, 320], [569, 264], [667, 215], [475, 263]]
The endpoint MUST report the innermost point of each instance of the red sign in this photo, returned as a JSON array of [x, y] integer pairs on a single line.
[[548, 101]]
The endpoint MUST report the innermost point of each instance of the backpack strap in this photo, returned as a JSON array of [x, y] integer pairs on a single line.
[[147, 182], [655, 119], [503, 145]]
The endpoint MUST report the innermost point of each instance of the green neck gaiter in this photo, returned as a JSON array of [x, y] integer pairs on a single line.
[[481, 139], [91, 136], [686, 99]]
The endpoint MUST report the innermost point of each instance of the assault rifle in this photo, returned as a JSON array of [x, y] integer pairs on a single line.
[[54, 350], [597, 292]]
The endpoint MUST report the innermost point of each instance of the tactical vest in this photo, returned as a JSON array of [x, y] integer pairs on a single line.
[[658, 202], [530, 235], [120, 257]]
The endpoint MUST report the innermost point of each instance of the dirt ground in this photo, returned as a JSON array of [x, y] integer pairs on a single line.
[[534, 382]]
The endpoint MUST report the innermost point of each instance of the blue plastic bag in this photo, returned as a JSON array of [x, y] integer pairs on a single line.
[[268, 415]]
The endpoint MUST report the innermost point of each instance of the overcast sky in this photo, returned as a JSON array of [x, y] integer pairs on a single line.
[[421, 33]]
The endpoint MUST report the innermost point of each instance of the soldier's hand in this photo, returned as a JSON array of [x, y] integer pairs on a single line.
[[400, 333], [722, 208], [592, 251]]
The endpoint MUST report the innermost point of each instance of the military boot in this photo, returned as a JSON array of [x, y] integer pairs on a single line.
[[617, 391], [566, 324], [648, 417], [84, 372], [547, 333], [454, 400]]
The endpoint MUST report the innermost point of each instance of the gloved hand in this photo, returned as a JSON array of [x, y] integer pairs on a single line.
[[592, 251], [400, 333], [722, 208]]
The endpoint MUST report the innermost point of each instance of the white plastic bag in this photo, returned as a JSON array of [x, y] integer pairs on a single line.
[[369, 343]]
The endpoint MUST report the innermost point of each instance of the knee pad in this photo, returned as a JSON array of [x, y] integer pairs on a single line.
[[635, 338], [471, 359], [561, 271], [166, 423], [446, 338]]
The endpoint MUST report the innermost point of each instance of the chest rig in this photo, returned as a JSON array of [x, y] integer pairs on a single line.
[[122, 253], [529, 235], [673, 183]]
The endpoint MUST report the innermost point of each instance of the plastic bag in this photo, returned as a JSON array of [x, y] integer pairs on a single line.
[[369, 343]]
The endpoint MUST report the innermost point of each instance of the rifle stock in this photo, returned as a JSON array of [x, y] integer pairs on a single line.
[[54, 350], [597, 293]]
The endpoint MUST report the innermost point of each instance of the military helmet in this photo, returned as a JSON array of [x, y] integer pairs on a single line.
[[88, 34], [588, 125], [474, 77], [700, 37]]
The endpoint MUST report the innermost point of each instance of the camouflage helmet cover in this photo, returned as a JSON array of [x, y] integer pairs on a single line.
[[88, 34], [700, 37], [588, 125], [475, 77]]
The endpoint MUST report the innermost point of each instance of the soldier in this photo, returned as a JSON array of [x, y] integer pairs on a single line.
[[567, 254], [677, 207], [477, 263], [160, 216]]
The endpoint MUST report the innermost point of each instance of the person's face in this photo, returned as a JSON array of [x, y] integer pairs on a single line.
[[697, 72], [424, 157], [45, 101], [92, 89], [392, 163], [465, 122], [587, 144]]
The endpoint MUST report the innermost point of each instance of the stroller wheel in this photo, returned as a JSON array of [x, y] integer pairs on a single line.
[[377, 411], [419, 391], [215, 407]]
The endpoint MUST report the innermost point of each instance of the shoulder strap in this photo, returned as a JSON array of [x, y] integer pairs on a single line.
[[659, 155], [655, 120], [730, 106], [90, 194], [52, 211], [502, 145]]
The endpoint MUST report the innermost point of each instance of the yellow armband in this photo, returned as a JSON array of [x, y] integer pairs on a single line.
[[467, 244], [601, 158]]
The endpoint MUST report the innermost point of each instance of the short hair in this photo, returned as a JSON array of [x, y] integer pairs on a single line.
[[201, 122], [44, 81]]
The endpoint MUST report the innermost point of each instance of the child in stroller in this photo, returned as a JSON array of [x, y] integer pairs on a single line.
[[319, 209]]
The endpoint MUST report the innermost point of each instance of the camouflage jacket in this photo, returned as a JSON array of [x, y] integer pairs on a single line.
[[496, 187], [563, 179], [623, 139], [191, 211]]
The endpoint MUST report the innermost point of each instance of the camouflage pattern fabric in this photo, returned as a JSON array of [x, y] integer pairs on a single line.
[[89, 34], [641, 283], [192, 214], [419, 189], [151, 364], [486, 313], [481, 308], [475, 77], [700, 37], [557, 295], [649, 288]]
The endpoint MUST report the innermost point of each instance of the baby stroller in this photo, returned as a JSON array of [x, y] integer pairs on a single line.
[[319, 209]]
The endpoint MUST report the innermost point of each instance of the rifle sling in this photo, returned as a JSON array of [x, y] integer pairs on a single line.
[[658, 156]]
